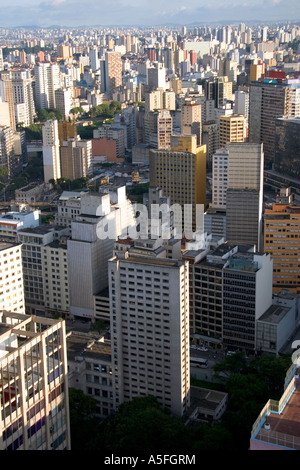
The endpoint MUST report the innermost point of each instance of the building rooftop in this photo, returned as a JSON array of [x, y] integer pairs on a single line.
[[7, 245], [284, 424], [274, 314]]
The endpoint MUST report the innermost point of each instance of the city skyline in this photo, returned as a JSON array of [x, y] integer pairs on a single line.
[[72, 13]]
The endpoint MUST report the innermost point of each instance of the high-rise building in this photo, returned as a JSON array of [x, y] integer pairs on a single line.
[[47, 80], [156, 77], [191, 119], [287, 146], [55, 266], [94, 58], [282, 242], [7, 152], [113, 72], [66, 130], [244, 197], [181, 173], [158, 128], [51, 156], [34, 397], [269, 100], [220, 178], [93, 234], [150, 328], [73, 159], [11, 283], [6, 93], [23, 95], [1, 59], [247, 294], [33, 240], [231, 129], [64, 100]]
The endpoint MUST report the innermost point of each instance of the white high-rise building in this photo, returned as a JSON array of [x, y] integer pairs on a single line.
[[91, 245], [156, 76], [23, 97], [51, 156], [11, 281], [47, 80], [149, 299]]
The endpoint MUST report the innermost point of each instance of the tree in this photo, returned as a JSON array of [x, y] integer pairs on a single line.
[[3, 173], [82, 421], [141, 425], [231, 365]]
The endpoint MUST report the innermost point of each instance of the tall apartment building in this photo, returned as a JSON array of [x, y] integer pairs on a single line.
[[66, 130], [94, 58], [7, 152], [150, 329], [231, 129], [89, 364], [47, 80], [247, 294], [191, 119], [73, 159], [68, 207], [282, 242], [220, 178], [55, 268], [1, 59], [113, 71], [210, 138], [11, 281], [241, 103], [6, 93], [34, 399], [160, 99], [158, 129], [244, 197], [268, 100], [23, 97], [287, 146], [64, 100], [181, 173], [51, 155], [33, 240], [156, 76], [91, 246]]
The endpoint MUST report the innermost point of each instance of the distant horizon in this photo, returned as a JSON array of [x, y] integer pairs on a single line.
[[158, 25], [145, 13]]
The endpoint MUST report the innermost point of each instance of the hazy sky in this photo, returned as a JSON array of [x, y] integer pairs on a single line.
[[142, 12]]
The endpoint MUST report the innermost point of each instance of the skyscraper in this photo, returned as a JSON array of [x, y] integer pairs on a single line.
[[191, 119], [47, 80], [282, 241], [23, 96], [231, 129], [113, 72], [268, 100], [244, 197], [51, 156], [150, 328], [34, 397], [181, 173], [11, 283]]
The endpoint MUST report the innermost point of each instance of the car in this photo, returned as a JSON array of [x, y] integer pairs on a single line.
[[193, 346], [202, 348]]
